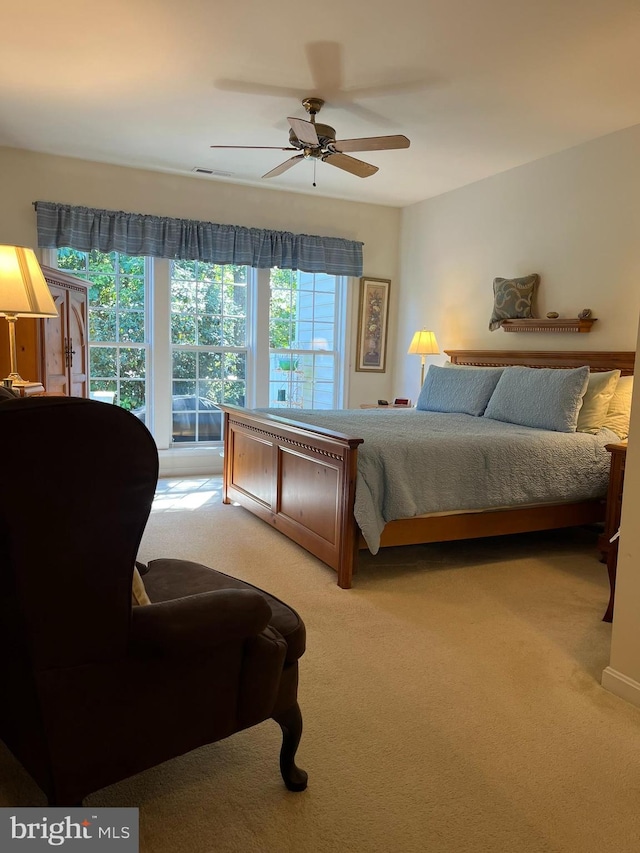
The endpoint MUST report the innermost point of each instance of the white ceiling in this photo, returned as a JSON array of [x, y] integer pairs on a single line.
[[479, 86]]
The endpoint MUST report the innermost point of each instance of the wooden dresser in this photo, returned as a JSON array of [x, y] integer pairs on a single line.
[[54, 351]]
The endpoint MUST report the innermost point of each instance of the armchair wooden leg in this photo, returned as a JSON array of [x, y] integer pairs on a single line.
[[290, 721]]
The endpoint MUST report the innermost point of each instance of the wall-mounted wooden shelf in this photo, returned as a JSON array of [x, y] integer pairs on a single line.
[[557, 325]]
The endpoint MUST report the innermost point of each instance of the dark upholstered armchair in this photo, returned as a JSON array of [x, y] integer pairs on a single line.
[[95, 690]]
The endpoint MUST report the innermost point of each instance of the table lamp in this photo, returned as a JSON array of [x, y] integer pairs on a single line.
[[23, 293], [423, 343]]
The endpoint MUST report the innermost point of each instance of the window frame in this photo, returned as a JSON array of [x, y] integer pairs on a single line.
[[159, 372]]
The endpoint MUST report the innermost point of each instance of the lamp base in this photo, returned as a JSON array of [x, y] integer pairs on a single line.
[[14, 379]]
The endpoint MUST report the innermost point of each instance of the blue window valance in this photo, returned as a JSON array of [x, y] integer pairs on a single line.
[[85, 229]]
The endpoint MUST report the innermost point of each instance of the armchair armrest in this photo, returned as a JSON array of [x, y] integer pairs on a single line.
[[199, 622]]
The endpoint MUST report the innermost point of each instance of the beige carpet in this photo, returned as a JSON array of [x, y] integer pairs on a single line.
[[451, 700]]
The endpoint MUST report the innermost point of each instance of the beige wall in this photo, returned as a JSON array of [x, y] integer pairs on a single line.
[[28, 177], [574, 218]]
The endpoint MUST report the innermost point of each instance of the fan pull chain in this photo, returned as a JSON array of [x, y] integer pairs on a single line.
[[314, 172]]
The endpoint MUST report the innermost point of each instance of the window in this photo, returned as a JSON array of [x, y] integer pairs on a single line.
[[303, 331], [118, 341], [168, 340], [209, 345]]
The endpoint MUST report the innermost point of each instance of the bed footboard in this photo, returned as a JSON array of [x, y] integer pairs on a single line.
[[299, 479]]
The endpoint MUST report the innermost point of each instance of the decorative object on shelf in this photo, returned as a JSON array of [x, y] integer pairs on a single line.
[[552, 315], [513, 299], [585, 314], [373, 317], [288, 363], [423, 343], [553, 325], [23, 293]]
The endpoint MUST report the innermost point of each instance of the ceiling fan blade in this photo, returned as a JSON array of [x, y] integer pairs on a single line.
[[305, 131], [246, 87], [350, 164], [256, 147], [284, 166], [371, 143]]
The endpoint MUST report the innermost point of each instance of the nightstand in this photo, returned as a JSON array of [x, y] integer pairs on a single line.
[[612, 519], [389, 406]]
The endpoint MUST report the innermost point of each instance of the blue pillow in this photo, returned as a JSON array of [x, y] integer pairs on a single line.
[[539, 397], [464, 391]]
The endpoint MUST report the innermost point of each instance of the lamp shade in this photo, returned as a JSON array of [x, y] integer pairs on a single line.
[[424, 343], [23, 289]]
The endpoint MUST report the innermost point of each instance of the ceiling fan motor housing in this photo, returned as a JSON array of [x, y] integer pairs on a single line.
[[326, 135]]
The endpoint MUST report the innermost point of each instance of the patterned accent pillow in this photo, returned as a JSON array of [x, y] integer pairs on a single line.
[[512, 299]]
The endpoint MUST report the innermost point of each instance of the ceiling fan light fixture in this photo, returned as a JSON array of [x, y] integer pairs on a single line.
[[318, 142]]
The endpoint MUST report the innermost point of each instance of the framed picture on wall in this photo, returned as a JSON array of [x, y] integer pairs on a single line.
[[373, 316]]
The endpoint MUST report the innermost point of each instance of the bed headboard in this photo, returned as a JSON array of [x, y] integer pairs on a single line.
[[597, 361]]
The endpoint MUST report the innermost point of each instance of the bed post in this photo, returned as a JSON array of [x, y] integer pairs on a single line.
[[349, 535], [228, 456]]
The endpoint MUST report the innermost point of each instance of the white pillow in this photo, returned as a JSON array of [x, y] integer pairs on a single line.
[[595, 403], [617, 419]]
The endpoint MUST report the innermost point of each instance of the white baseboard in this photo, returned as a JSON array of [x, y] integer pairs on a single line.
[[620, 684], [190, 461]]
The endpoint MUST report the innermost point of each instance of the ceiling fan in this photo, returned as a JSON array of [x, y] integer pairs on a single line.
[[318, 142]]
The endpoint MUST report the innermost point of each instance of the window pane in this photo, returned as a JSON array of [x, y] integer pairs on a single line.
[[132, 362], [131, 326], [184, 364], [131, 265], [72, 260], [102, 293], [209, 299], [210, 365], [235, 365], [183, 388], [280, 333], [102, 261], [103, 362], [102, 325], [131, 394], [184, 270], [209, 331], [132, 292], [183, 329], [183, 296], [323, 336]]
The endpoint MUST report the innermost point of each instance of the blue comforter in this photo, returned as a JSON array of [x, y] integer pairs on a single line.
[[414, 462]]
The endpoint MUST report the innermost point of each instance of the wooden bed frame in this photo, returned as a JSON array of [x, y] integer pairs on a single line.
[[301, 479]]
